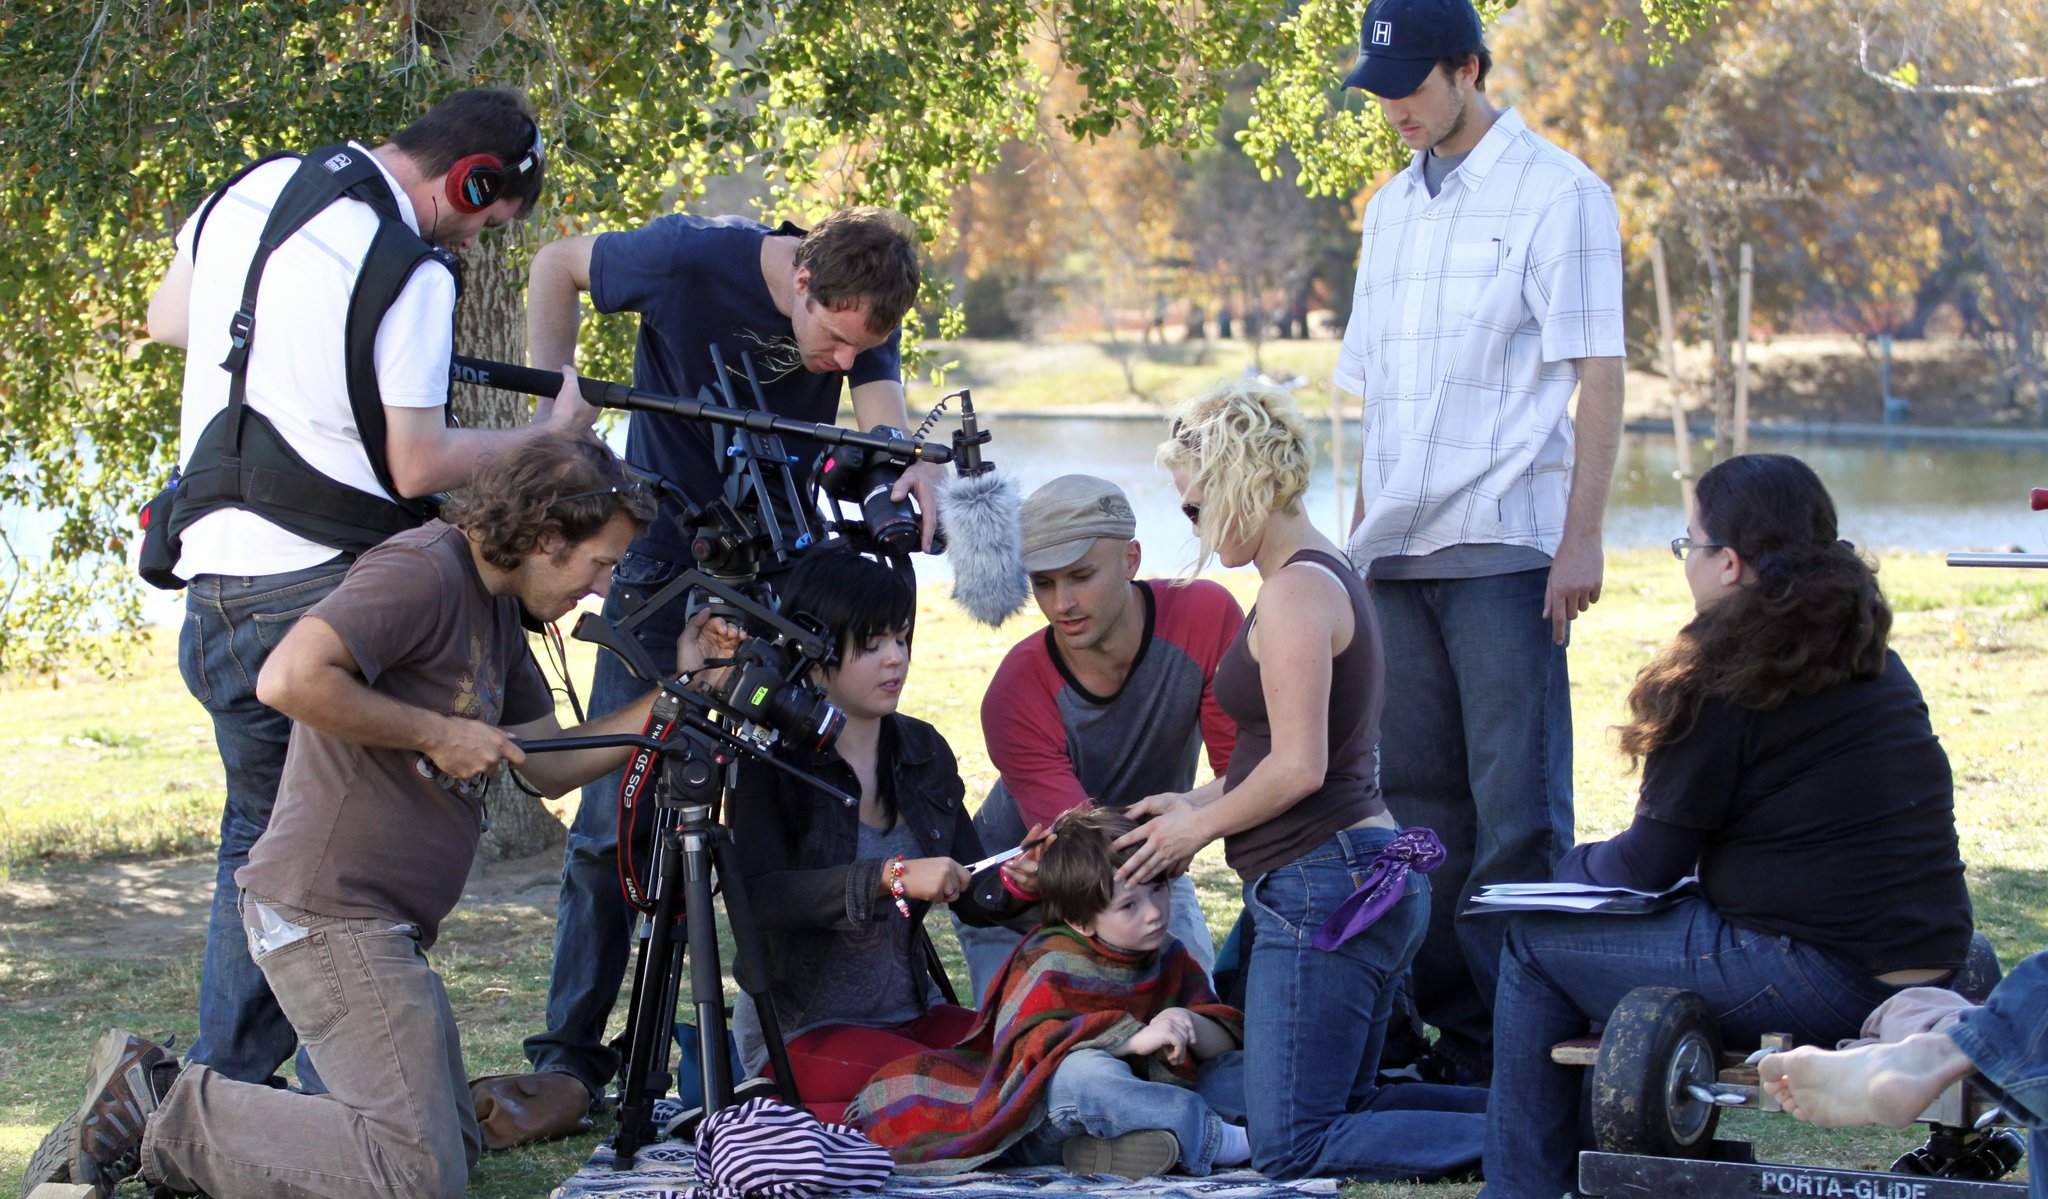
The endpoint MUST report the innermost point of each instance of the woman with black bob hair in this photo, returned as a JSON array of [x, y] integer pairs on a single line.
[[1789, 763], [840, 890]]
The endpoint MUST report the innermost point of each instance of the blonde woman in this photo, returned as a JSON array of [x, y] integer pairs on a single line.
[[1336, 912]]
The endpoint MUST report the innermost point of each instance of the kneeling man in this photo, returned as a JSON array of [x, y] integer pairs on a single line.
[[407, 685]]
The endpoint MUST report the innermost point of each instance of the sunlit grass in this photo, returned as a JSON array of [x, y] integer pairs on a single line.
[[102, 769]]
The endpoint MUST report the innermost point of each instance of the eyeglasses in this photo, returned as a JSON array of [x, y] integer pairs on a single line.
[[1193, 512], [633, 490], [1681, 546]]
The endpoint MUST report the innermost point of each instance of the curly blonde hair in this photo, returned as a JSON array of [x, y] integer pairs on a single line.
[[1244, 442]]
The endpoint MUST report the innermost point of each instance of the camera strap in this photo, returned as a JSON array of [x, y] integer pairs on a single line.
[[634, 794]]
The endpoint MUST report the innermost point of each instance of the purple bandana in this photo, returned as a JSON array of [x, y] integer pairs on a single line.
[[1385, 883]]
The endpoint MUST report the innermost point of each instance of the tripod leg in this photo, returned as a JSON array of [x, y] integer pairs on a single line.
[[652, 1017], [750, 965], [707, 987]]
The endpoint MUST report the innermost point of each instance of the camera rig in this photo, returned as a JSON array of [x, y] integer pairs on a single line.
[[695, 739]]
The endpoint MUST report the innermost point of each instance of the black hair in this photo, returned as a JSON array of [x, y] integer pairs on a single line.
[[494, 121], [856, 598]]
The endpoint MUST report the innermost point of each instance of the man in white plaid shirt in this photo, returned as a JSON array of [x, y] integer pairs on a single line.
[[1489, 290]]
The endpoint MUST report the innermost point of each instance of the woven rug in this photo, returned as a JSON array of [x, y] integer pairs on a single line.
[[664, 1171]]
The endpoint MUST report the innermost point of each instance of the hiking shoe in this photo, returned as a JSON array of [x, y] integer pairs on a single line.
[[129, 1077], [51, 1162], [1138, 1154]]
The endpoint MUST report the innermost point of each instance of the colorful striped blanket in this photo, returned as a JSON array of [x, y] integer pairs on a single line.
[[944, 1111]]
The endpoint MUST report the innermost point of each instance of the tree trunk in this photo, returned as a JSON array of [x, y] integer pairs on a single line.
[[490, 322]]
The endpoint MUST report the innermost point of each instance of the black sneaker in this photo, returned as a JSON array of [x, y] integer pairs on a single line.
[[129, 1077], [51, 1162], [1139, 1154]]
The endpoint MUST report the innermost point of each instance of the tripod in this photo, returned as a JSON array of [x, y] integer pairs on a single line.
[[694, 864]]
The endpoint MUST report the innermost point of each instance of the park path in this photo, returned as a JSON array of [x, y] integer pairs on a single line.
[[156, 908]]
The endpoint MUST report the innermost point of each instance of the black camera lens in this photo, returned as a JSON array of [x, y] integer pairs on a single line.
[[861, 476], [804, 717], [892, 523], [760, 688]]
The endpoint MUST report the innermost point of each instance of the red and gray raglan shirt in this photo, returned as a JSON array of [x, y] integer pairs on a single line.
[[1058, 746]]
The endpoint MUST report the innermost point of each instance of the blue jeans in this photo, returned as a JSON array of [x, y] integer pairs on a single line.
[[2007, 1040], [231, 625], [1479, 748], [1314, 1024], [1563, 973], [1093, 1093], [593, 924]]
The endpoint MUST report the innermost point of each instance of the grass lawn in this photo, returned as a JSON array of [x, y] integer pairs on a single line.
[[109, 775]]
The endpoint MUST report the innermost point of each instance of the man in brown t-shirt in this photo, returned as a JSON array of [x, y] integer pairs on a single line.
[[408, 686]]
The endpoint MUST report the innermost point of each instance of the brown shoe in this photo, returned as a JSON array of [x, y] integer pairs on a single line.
[[517, 1109], [129, 1077]]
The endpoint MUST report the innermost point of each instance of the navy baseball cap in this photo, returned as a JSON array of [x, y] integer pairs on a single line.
[[1402, 40]]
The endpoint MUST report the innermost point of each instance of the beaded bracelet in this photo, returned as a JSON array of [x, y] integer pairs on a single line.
[[896, 885]]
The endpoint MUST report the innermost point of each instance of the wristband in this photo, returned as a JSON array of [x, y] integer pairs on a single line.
[[1016, 891], [896, 885]]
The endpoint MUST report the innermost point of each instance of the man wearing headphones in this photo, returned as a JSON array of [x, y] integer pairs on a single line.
[[275, 348]]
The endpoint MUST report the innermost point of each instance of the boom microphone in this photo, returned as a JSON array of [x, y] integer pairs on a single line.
[[982, 517]]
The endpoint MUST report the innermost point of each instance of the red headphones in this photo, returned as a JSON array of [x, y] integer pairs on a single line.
[[477, 180]]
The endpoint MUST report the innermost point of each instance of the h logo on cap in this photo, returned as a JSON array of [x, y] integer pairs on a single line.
[[1382, 33]]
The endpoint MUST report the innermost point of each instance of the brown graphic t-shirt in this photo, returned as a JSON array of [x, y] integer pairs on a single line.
[[379, 833]]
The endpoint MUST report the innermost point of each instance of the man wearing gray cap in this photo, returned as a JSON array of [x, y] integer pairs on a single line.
[[1111, 703], [1489, 291]]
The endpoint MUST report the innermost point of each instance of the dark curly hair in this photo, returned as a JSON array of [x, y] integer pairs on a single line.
[[555, 483], [1809, 616]]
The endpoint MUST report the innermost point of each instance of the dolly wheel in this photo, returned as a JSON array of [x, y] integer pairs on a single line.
[[1660, 1043]]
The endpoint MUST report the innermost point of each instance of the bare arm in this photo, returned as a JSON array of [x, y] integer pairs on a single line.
[[312, 678], [1306, 614], [560, 275], [1576, 571], [170, 306], [426, 454], [553, 774]]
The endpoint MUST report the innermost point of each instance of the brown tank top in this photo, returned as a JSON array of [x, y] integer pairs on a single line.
[[1351, 785]]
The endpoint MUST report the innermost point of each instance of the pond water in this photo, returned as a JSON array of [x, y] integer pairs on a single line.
[[1933, 498], [1930, 498]]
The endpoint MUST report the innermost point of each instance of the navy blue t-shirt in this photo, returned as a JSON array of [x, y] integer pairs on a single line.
[[696, 281]]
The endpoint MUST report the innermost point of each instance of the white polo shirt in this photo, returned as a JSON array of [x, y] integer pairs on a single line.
[[298, 376], [1470, 307]]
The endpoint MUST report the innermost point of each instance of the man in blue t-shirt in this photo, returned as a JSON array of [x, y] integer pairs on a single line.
[[811, 308]]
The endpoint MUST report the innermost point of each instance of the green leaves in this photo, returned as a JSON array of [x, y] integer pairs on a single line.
[[118, 116]]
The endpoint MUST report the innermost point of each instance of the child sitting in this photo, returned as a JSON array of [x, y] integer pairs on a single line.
[[1090, 1050]]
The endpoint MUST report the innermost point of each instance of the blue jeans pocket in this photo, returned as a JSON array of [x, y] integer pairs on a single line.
[[192, 658], [1769, 1011], [1279, 900], [272, 626]]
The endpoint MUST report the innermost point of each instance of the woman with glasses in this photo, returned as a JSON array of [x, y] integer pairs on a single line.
[[1301, 818], [1788, 762]]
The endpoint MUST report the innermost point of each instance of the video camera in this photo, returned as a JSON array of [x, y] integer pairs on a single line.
[[740, 541]]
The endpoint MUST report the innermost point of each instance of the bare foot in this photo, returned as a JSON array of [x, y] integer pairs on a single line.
[[1889, 1084]]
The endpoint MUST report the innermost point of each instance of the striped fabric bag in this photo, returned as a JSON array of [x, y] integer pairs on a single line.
[[763, 1149]]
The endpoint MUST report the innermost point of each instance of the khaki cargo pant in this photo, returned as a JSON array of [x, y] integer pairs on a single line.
[[396, 1119]]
